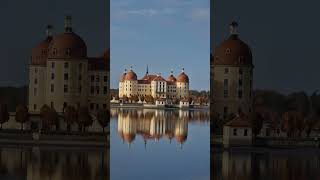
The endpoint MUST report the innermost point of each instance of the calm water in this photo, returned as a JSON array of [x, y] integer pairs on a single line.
[[33, 163], [266, 164], [158, 144]]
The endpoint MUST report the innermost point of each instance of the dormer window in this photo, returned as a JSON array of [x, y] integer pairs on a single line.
[[68, 52], [55, 51], [228, 51], [241, 59]]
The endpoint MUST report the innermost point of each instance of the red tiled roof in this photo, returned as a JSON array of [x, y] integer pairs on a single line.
[[239, 121]]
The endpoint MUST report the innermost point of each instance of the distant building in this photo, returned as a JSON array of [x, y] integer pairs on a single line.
[[154, 85], [231, 76], [237, 132], [61, 73]]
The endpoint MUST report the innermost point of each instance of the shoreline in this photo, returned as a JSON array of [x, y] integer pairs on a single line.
[[135, 106], [28, 138]]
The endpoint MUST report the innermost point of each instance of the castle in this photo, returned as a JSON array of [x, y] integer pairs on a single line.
[[154, 85], [61, 73]]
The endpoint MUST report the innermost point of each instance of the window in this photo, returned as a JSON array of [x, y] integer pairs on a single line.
[[97, 78], [52, 76], [105, 78], [80, 66], [92, 89], [240, 94], [240, 82], [55, 51], [68, 52], [65, 88], [105, 89], [66, 65], [80, 88], [228, 51], [66, 76], [36, 70], [97, 89], [104, 106], [80, 77], [35, 107], [225, 83], [52, 104], [35, 81], [245, 132], [97, 106], [91, 106], [92, 78], [52, 88], [226, 70], [225, 112], [52, 65], [240, 71], [235, 132]]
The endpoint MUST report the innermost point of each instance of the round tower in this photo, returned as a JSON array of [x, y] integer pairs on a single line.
[[231, 76]]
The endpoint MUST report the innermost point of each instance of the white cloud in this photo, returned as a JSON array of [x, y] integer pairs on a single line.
[[200, 14], [143, 12]]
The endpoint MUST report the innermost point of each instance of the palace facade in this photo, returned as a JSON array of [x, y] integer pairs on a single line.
[[154, 85]]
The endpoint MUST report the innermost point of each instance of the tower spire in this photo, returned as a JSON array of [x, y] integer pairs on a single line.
[[147, 72], [233, 27], [49, 30], [68, 24]]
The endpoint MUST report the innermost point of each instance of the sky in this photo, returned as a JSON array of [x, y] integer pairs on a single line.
[[165, 35], [283, 36], [23, 27]]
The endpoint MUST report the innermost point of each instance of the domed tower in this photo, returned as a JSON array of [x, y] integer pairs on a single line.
[[182, 85], [121, 84], [231, 76], [67, 70], [172, 87], [130, 84], [37, 73]]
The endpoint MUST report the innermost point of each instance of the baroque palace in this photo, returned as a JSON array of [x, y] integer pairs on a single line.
[[154, 85], [61, 73]]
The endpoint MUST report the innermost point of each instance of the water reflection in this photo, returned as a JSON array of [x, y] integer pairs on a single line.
[[159, 144], [265, 164], [153, 125], [34, 163]]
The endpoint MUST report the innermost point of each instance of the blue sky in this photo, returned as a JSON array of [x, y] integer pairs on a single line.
[[165, 34]]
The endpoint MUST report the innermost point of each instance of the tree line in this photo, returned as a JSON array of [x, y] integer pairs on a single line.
[[50, 118], [294, 114]]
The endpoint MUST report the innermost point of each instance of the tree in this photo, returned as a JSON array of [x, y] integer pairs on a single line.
[[103, 117], [43, 115], [22, 114], [135, 98], [49, 117], [70, 116], [292, 123], [52, 117], [84, 118], [142, 98], [256, 122], [4, 114], [125, 98]]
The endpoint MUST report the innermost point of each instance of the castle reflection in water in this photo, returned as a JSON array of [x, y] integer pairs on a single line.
[[48, 163], [153, 125]]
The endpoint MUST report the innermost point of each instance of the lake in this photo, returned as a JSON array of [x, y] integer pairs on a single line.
[[265, 164], [159, 144], [53, 163]]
